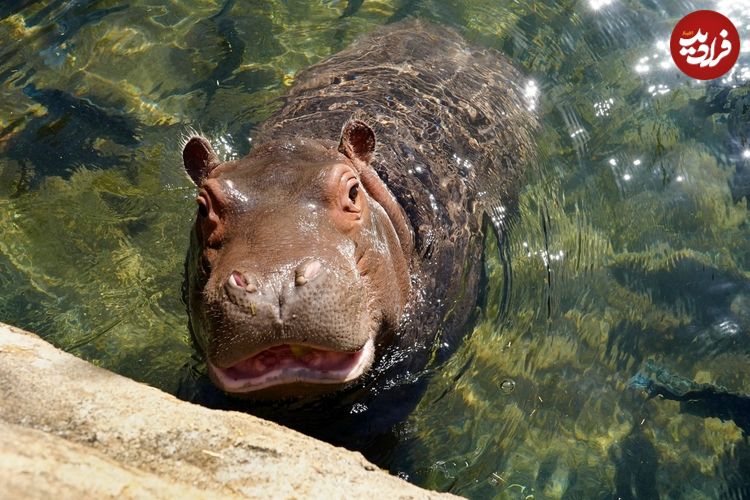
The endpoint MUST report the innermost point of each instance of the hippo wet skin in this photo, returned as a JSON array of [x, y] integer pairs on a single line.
[[342, 255]]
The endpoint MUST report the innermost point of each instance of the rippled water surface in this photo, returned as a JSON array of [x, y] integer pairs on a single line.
[[630, 254]]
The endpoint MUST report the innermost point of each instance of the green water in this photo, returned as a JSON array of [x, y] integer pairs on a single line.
[[632, 243]]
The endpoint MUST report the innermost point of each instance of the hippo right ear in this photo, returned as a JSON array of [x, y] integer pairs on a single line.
[[357, 141], [199, 159]]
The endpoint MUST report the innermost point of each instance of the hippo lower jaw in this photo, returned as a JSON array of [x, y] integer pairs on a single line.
[[291, 364]]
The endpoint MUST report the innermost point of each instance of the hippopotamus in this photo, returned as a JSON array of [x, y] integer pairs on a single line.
[[345, 251]]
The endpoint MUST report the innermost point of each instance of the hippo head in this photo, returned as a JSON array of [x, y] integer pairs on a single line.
[[298, 269]]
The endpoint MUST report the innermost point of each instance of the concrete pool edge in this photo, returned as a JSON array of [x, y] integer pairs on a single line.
[[69, 428]]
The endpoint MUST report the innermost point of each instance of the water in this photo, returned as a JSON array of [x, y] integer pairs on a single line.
[[632, 245]]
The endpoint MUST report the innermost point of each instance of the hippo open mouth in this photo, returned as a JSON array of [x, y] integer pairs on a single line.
[[292, 363]]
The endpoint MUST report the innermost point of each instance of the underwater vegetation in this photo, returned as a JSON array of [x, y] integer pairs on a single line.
[[630, 248]]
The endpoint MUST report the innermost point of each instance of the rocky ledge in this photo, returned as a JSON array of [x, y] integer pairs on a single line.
[[69, 429]]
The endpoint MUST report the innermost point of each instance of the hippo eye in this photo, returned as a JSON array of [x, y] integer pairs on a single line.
[[353, 192], [349, 200], [202, 207]]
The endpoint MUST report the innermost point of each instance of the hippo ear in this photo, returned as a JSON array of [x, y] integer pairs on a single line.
[[199, 159], [357, 141]]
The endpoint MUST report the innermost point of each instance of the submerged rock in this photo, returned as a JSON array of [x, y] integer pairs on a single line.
[[702, 400]]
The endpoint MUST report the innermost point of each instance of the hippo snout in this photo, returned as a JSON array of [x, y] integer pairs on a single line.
[[250, 293], [312, 303]]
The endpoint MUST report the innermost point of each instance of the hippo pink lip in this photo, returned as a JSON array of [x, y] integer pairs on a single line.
[[288, 364]]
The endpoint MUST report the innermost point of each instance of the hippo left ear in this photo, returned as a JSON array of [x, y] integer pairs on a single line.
[[357, 141], [199, 159]]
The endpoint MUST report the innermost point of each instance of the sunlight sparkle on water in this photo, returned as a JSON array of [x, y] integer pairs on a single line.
[[577, 132], [598, 4], [659, 89], [734, 9], [660, 59], [531, 93], [602, 108]]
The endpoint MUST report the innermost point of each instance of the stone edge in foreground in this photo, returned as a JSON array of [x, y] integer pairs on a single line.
[[69, 429]]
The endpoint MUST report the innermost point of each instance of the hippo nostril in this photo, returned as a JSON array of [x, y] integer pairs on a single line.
[[306, 272], [312, 269], [238, 280]]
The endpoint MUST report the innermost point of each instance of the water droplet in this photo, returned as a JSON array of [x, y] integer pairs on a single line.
[[358, 408], [507, 386]]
